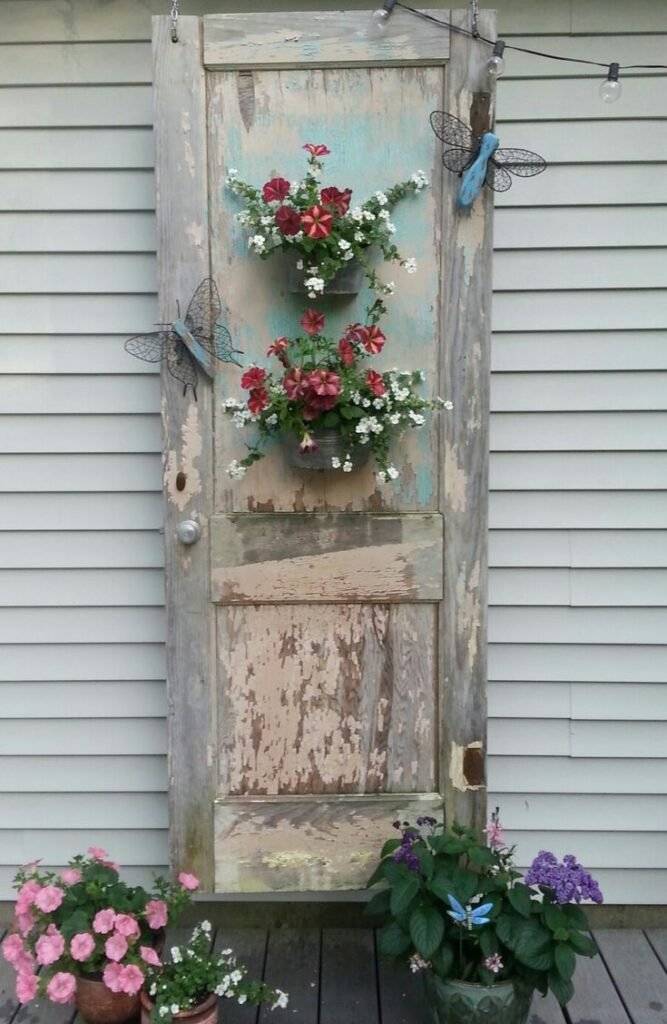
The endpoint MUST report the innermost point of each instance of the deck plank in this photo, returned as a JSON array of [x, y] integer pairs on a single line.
[[249, 945], [293, 965], [348, 990], [402, 995], [658, 939], [595, 999], [637, 972], [545, 1011]]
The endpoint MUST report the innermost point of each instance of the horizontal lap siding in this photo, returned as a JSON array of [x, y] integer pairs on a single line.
[[578, 543]]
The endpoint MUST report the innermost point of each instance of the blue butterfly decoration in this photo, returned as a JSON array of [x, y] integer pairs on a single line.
[[196, 340], [471, 917], [480, 161]]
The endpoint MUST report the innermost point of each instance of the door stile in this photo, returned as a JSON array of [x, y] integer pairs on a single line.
[[465, 374], [183, 261]]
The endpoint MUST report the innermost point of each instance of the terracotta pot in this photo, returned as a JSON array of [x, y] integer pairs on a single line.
[[330, 445], [347, 281], [465, 1002], [97, 1004], [205, 1013]]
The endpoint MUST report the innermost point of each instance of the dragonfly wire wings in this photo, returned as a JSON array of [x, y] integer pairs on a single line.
[[461, 148], [202, 321]]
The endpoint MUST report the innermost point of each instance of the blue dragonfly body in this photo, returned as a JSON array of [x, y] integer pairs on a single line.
[[474, 177]]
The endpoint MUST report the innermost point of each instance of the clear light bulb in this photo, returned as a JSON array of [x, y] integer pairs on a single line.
[[377, 25], [496, 62], [611, 88]]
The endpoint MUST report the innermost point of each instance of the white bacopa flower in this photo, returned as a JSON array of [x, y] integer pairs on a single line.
[[175, 951], [378, 403], [164, 1010], [410, 265], [313, 270], [417, 963], [232, 173], [382, 477], [175, 1008], [235, 977], [272, 420], [152, 990], [383, 214], [355, 398], [389, 288], [242, 998], [281, 1001], [357, 214], [347, 467], [367, 215], [416, 418], [348, 255], [395, 418], [266, 221], [257, 242], [366, 402], [206, 926], [335, 462], [381, 198], [299, 264], [232, 403], [314, 284], [242, 217], [294, 188], [445, 404], [344, 244], [236, 471], [359, 236], [391, 227], [419, 180]]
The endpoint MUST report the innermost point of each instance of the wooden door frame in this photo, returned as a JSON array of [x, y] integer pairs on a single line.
[[183, 261]]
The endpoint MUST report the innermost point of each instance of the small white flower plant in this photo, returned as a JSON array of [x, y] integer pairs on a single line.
[[195, 973]]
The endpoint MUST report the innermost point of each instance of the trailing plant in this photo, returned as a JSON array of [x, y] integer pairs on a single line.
[[318, 225], [86, 921], [195, 973], [455, 905], [326, 384]]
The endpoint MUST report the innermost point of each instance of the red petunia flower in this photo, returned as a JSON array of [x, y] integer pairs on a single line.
[[277, 347], [312, 322], [335, 200], [346, 352], [317, 149], [295, 384], [253, 378], [275, 190], [288, 220], [376, 383], [258, 400], [374, 340], [324, 383], [317, 222]]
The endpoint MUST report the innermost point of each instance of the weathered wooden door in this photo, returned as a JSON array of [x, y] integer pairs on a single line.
[[326, 639]]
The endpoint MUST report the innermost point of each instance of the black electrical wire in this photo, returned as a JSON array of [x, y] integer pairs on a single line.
[[524, 49]]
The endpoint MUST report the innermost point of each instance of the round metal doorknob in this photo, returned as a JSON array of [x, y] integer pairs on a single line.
[[188, 531]]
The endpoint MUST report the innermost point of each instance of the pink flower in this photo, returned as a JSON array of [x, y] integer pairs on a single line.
[[26, 895], [131, 979], [495, 835], [112, 977], [189, 882], [12, 948], [49, 947], [346, 352], [81, 946], [494, 963], [335, 200], [324, 382], [258, 399], [49, 898], [288, 220], [149, 956], [295, 384], [26, 987], [116, 947], [373, 340], [97, 853], [275, 190], [127, 925], [156, 913], [25, 963], [312, 322], [317, 222], [103, 921], [253, 378], [70, 876], [317, 149], [375, 383], [24, 922], [308, 443], [61, 988]]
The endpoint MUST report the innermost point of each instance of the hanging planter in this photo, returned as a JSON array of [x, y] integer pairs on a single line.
[[325, 406], [331, 452], [346, 281], [319, 229]]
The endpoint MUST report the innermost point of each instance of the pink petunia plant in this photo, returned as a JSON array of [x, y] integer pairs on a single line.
[[84, 920]]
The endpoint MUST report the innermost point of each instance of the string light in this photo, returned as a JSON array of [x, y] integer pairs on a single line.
[[610, 88], [377, 25]]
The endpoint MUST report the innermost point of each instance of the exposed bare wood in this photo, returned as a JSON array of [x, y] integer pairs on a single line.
[[319, 39], [307, 843], [310, 558], [465, 348], [182, 215], [326, 698]]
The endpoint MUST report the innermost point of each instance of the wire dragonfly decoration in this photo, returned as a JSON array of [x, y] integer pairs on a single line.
[[478, 160], [196, 340]]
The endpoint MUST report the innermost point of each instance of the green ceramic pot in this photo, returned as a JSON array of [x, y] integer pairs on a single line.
[[465, 1002]]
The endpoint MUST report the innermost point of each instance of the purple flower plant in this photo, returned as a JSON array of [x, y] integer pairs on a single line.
[[404, 853], [569, 881]]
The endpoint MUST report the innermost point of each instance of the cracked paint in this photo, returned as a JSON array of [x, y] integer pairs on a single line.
[[181, 492]]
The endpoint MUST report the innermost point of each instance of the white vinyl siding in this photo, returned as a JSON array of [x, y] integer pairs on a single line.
[[578, 543]]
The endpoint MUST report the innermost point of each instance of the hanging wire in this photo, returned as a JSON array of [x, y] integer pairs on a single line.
[[174, 21], [474, 17], [473, 34]]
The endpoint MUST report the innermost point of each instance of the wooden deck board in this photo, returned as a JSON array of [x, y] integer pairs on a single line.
[[334, 977], [637, 972]]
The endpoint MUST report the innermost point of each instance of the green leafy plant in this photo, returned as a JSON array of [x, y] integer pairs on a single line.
[[454, 904], [195, 973]]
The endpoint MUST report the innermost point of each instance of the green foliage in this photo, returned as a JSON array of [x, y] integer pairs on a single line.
[[536, 939]]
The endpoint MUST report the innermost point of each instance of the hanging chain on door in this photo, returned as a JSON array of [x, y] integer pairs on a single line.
[[474, 17], [174, 21]]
